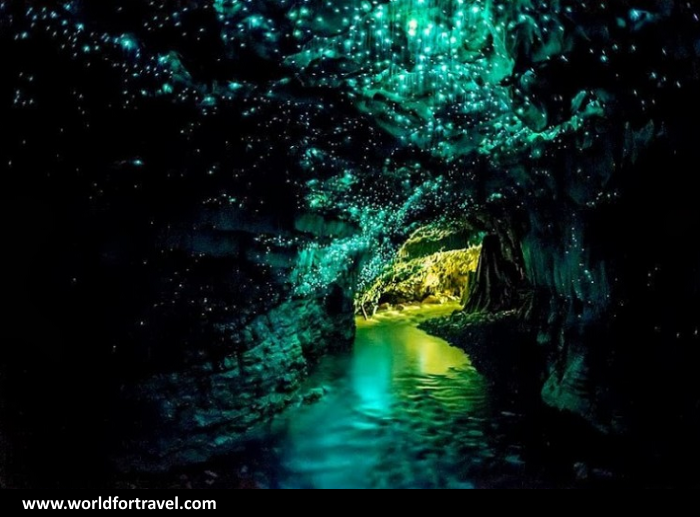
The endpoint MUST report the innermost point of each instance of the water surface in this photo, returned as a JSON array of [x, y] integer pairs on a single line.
[[402, 410]]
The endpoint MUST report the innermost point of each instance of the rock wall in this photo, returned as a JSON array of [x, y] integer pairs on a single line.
[[610, 287], [167, 342], [573, 300], [434, 266], [602, 217], [201, 411], [248, 349]]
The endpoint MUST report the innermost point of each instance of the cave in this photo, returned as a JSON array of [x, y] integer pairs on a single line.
[[366, 244], [436, 265]]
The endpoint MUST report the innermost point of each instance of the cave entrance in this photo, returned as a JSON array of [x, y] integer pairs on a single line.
[[435, 266]]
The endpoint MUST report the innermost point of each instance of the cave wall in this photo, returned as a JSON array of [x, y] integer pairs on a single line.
[[605, 275], [498, 281], [602, 217], [433, 266], [167, 341], [251, 353], [573, 304], [204, 410], [610, 282], [158, 219]]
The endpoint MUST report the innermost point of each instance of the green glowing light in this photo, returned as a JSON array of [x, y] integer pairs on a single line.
[[424, 63], [127, 42]]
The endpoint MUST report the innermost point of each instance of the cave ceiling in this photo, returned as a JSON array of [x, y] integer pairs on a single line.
[[383, 113]]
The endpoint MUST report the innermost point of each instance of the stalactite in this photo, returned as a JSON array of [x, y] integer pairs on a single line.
[[496, 282]]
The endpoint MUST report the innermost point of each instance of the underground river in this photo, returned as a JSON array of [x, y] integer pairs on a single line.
[[402, 409]]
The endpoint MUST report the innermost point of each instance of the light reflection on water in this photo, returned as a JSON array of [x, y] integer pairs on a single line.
[[403, 409]]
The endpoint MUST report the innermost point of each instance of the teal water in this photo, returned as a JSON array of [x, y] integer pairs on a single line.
[[402, 410]]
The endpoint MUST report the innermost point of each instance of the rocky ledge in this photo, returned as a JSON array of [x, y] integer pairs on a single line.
[[502, 348]]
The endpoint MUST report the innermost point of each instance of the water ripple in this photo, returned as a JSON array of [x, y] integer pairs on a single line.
[[405, 411]]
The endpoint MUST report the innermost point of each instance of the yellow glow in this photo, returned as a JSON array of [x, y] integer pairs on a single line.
[[420, 352]]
